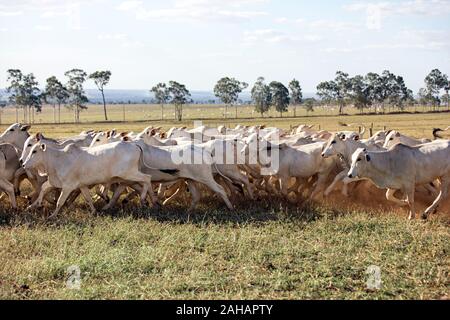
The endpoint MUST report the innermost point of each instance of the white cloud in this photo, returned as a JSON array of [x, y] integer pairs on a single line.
[[10, 13], [116, 36], [43, 28], [276, 36], [377, 11], [428, 46], [281, 20], [332, 25], [129, 5], [196, 10]]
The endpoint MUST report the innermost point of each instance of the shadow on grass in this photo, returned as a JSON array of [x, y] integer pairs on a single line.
[[209, 212]]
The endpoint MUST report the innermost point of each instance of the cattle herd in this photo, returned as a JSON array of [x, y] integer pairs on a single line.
[[244, 162]]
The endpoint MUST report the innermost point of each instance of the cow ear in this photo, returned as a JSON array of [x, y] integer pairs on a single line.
[[43, 147], [126, 139], [163, 135], [356, 138], [25, 127], [124, 134], [368, 158], [153, 132], [38, 136], [397, 134]]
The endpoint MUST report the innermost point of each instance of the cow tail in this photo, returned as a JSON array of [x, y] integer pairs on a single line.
[[221, 174]]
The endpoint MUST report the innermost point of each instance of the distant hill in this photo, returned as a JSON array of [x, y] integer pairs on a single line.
[[144, 96]]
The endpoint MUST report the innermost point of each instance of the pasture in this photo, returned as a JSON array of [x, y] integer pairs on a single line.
[[261, 251]]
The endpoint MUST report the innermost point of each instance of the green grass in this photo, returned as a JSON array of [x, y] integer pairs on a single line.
[[256, 254]]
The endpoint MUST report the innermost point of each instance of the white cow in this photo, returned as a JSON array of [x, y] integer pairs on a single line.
[[403, 167], [74, 168], [343, 146], [301, 162], [16, 134], [395, 137], [9, 163]]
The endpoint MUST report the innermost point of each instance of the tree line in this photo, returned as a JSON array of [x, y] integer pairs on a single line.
[[24, 92], [373, 92]]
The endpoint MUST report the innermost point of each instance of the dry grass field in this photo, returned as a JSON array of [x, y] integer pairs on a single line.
[[261, 251]]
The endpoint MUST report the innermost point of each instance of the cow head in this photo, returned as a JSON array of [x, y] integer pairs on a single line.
[[393, 138], [100, 139], [335, 145], [28, 145], [15, 134], [35, 158], [360, 161]]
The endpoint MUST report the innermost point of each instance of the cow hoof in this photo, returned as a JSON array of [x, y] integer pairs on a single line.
[[157, 205], [424, 216]]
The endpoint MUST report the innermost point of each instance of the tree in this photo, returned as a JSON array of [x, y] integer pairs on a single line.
[[228, 90], [101, 79], [387, 89], [24, 92], [360, 92], [280, 96], [327, 91], [374, 84], [399, 94], [162, 96], [77, 98], [261, 96], [435, 82], [343, 85], [296, 94], [336, 90], [55, 93], [309, 104], [424, 97], [179, 96], [446, 96]]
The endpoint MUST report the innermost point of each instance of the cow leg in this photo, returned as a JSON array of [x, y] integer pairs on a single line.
[[8, 187], [284, 186], [338, 178], [46, 187], [390, 197], [65, 193], [410, 200], [117, 193], [172, 196], [214, 186], [146, 183], [19, 175], [346, 182], [320, 185], [444, 191], [195, 194], [87, 196], [295, 186]]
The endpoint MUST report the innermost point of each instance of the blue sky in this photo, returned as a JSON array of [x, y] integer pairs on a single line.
[[197, 42]]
